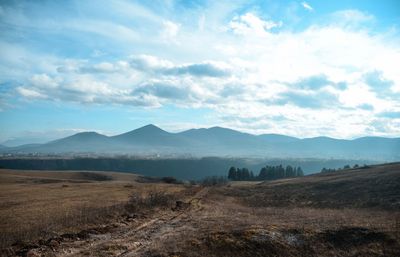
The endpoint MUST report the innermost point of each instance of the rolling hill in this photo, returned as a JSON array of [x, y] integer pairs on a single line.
[[217, 141]]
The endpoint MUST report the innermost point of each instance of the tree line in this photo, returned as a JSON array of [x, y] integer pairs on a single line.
[[266, 173], [345, 167]]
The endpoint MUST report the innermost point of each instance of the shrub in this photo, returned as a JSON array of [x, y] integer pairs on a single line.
[[171, 180], [214, 181], [138, 202]]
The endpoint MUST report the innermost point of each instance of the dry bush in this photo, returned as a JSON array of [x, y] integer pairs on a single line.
[[139, 202], [171, 180], [214, 181]]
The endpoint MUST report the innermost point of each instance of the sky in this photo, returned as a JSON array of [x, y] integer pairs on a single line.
[[299, 68]]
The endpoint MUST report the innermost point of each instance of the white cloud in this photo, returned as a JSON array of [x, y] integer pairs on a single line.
[[83, 89], [149, 62], [43, 81], [307, 6], [30, 94], [249, 23], [170, 31], [243, 68]]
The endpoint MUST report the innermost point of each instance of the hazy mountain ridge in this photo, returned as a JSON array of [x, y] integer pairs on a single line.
[[217, 141]]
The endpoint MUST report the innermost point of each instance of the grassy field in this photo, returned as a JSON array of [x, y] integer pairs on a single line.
[[348, 213], [34, 204]]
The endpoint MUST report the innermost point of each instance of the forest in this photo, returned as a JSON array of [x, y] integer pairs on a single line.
[[266, 173]]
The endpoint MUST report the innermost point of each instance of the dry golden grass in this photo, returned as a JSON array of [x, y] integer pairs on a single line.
[[342, 214], [35, 204], [227, 227], [375, 188]]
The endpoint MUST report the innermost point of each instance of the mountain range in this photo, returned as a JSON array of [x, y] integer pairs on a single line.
[[215, 141]]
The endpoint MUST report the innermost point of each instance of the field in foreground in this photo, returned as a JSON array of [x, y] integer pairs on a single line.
[[349, 213]]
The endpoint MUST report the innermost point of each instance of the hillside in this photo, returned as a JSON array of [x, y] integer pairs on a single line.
[[377, 186], [347, 214], [216, 141]]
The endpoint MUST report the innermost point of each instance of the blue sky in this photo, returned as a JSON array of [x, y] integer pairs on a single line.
[[301, 68]]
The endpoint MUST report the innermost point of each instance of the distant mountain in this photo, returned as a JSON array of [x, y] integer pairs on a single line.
[[80, 142], [276, 138], [26, 140], [150, 135], [217, 141]]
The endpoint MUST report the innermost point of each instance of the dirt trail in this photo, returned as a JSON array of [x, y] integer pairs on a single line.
[[130, 238], [155, 230]]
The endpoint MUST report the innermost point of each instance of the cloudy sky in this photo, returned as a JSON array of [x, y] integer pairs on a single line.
[[300, 68]]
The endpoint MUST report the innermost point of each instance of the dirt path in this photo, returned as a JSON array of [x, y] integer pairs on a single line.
[[155, 230], [131, 238]]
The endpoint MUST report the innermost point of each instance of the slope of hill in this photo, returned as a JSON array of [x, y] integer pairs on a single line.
[[217, 141], [375, 186], [350, 213]]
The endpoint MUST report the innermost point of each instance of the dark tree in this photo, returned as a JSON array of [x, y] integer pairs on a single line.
[[299, 172], [232, 174], [263, 174], [251, 175], [245, 174], [290, 172]]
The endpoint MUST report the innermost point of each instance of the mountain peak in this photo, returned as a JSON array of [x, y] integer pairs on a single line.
[[150, 128], [218, 128], [146, 133], [87, 134], [81, 137]]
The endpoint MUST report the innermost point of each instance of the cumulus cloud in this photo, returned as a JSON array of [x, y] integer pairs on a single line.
[[82, 89], [165, 91], [237, 64], [249, 23], [149, 63], [155, 66], [208, 69]]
